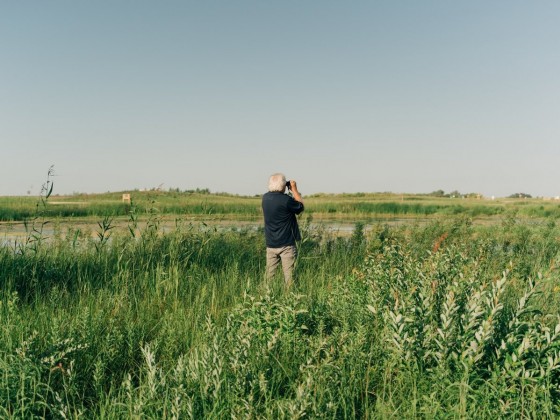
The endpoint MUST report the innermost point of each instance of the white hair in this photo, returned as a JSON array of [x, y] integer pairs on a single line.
[[277, 182]]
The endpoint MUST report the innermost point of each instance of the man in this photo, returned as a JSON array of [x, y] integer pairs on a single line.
[[281, 228]]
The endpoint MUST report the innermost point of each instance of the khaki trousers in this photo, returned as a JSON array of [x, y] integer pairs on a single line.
[[287, 255]]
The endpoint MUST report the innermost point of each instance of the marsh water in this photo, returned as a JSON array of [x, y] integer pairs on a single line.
[[16, 232]]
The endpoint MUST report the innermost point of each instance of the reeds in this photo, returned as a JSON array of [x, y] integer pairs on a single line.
[[393, 322], [199, 204]]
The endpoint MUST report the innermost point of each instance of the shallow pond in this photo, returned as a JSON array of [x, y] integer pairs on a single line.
[[16, 232]]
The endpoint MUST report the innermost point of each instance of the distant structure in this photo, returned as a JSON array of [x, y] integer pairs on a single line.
[[126, 198]]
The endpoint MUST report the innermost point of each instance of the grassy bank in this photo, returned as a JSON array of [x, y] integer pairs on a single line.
[[322, 206], [399, 322]]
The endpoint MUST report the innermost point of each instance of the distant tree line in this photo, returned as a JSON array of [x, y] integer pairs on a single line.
[[520, 195], [454, 194], [191, 191], [457, 194]]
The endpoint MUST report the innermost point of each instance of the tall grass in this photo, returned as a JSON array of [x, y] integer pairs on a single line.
[[358, 206], [433, 320]]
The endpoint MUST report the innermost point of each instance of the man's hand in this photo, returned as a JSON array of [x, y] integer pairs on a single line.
[[295, 192]]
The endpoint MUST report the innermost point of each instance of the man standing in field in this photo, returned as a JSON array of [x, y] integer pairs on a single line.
[[281, 230]]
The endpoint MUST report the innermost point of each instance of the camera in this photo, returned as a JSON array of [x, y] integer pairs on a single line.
[[288, 185]]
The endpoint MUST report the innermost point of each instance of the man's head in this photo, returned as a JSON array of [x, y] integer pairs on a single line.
[[277, 183]]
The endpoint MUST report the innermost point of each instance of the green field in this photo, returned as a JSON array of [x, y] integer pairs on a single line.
[[453, 314], [359, 206]]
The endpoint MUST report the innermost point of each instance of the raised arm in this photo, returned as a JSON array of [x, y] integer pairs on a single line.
[[295, 192]]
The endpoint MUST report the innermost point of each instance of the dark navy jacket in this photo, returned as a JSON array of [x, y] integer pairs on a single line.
[[280, 223]]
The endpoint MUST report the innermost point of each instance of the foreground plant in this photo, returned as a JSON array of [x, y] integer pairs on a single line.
[[35, 227], [445, 319], [465, 332]]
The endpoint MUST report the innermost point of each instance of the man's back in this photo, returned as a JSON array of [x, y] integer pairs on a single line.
[[280, 223]]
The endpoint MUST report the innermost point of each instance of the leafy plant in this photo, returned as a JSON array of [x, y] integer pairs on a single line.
[[35, 226]]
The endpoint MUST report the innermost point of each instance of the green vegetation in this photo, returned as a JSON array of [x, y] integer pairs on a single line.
[[110, 204], [201, 203], [443, 318]]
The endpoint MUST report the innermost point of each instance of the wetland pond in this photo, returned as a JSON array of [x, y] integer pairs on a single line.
[[13, 233]]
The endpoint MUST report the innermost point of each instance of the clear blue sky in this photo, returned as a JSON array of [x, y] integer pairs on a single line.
[[342, 96]]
